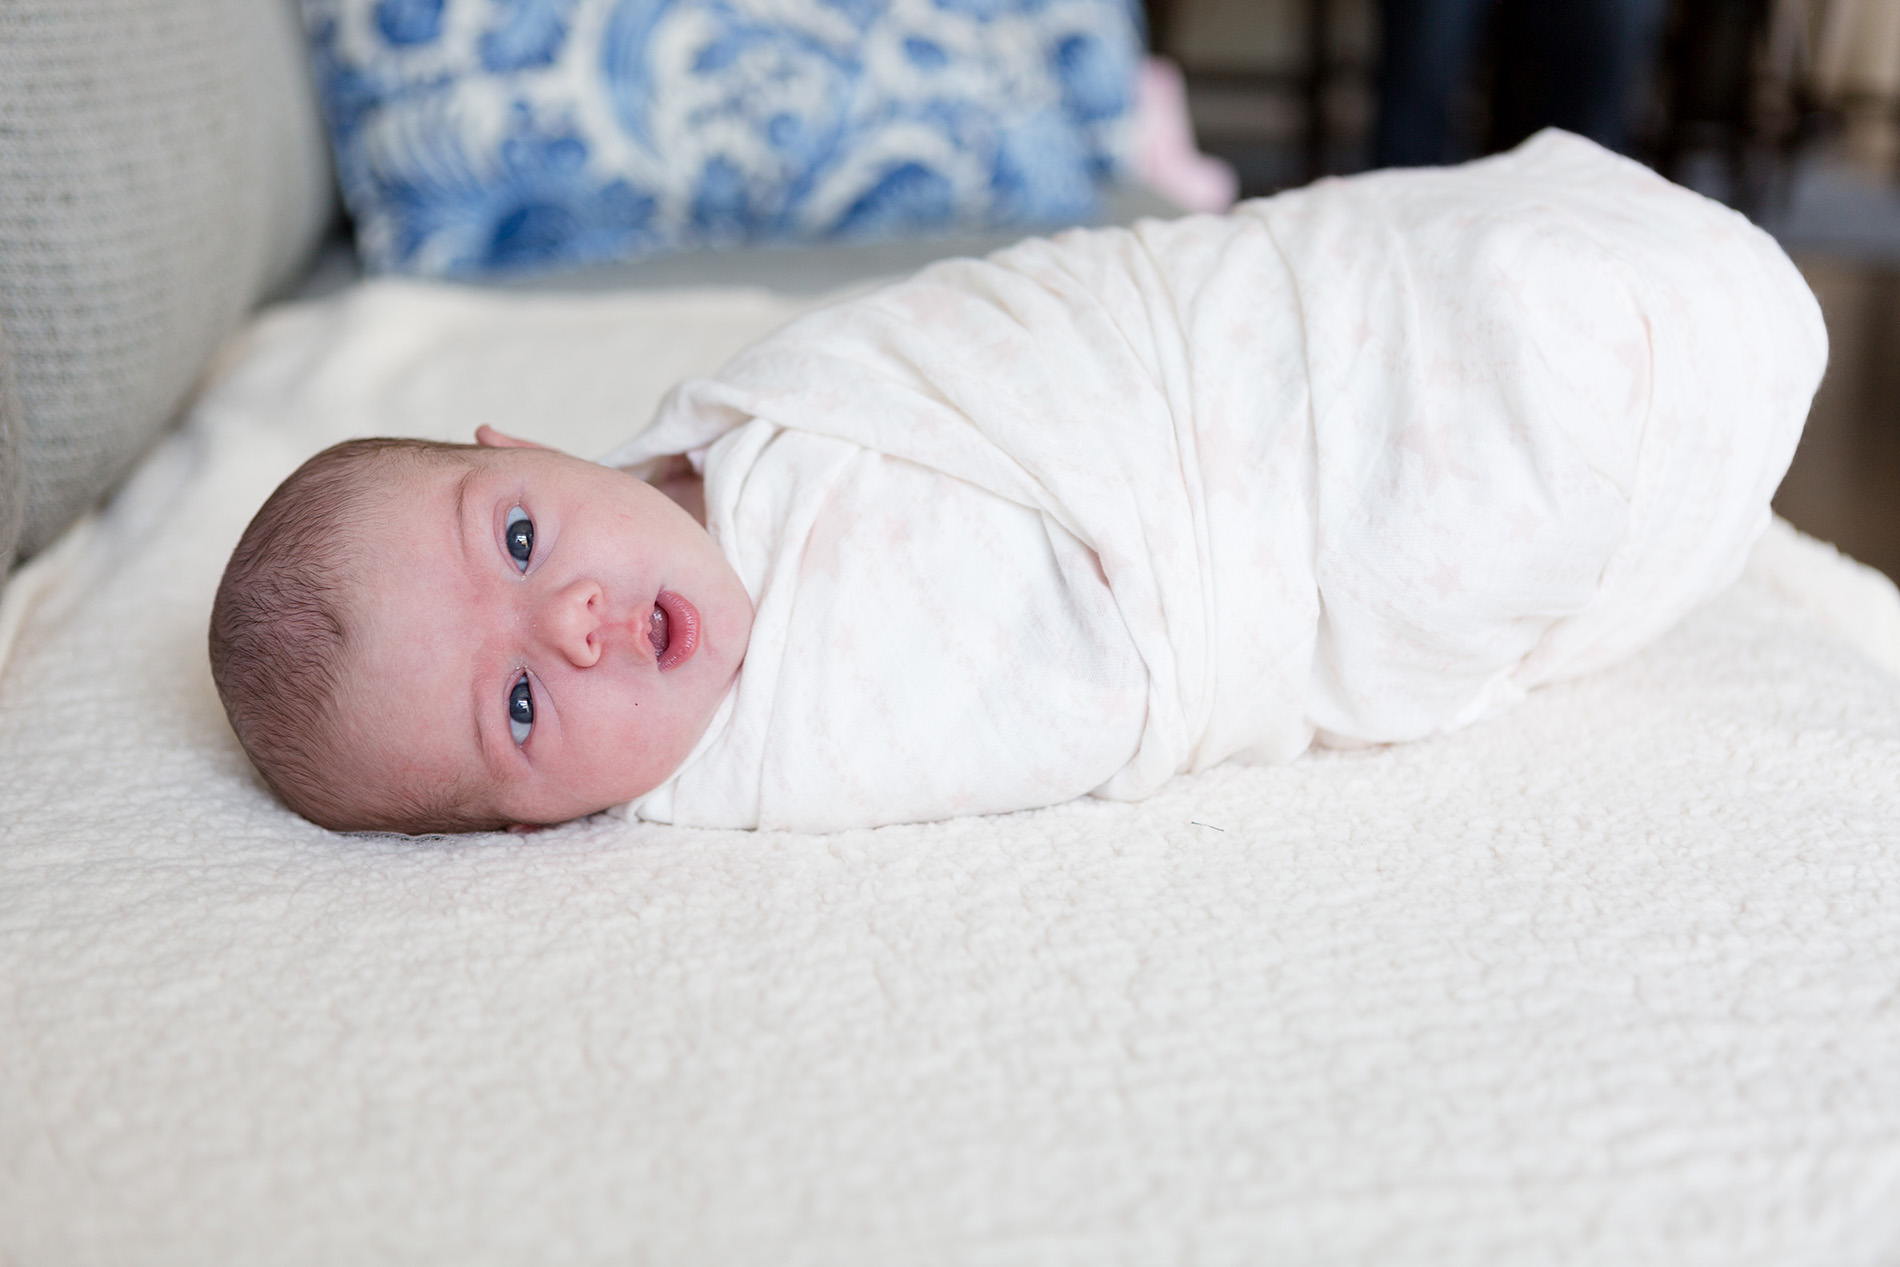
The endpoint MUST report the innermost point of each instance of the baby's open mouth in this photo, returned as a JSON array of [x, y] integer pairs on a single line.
[[658, 633], [673, 629]]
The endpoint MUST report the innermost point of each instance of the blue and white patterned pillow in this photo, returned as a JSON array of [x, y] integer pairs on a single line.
[[483, 135]]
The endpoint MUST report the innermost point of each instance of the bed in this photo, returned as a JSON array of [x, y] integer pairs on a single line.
[[1614, 979]]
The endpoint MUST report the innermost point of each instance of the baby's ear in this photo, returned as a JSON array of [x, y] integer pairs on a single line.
[[489, 438]]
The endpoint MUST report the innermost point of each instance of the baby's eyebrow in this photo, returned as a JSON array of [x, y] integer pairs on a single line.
[[461, 510], [475, 720], [484, 755]]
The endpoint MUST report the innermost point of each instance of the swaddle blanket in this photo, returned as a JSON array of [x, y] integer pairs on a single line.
[[1364, 462]]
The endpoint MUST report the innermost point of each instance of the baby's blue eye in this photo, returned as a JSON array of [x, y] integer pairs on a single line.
[[521, 710], [519, 534]]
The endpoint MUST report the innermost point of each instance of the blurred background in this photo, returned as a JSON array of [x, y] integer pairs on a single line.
[[1787, 109]]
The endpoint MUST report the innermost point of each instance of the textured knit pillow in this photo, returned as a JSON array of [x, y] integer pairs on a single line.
[[12, 473], [485, 135], [161, 168]]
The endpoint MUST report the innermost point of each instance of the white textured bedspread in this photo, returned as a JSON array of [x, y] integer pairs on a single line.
[[1614, 979], [1369, 459]]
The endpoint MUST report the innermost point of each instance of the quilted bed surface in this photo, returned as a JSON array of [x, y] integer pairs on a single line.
[[1615, 979]]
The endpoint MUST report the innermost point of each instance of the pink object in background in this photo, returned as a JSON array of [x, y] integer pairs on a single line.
[[1166, 159]]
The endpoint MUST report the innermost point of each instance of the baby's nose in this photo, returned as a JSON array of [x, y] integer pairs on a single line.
[[572, 623]]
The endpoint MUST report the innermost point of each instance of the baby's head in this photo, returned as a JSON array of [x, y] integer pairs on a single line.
[[426, 637]]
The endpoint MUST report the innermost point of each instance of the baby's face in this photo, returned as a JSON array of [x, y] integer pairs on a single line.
[[549, 635]]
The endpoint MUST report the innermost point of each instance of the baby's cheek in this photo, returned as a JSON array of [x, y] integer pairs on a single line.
[[621, 752]]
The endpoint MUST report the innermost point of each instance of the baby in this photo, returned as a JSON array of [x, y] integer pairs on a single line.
[[1358, 464]]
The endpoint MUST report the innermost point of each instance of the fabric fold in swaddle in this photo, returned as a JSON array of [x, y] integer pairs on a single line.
[[1367, 460]]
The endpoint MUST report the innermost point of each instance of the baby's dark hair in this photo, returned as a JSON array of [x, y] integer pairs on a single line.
[[281, 626]]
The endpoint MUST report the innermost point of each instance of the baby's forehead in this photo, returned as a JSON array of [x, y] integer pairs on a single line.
[[400, 493], [403, 713], [379, 541], [412, 469], [407, 474]]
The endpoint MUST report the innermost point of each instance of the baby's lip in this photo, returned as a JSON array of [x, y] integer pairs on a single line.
[[682, 630]]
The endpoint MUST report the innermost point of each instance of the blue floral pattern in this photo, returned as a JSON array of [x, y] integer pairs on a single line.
[[475, 136]]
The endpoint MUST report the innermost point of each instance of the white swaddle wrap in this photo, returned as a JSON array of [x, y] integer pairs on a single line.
[[1365, 461]]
